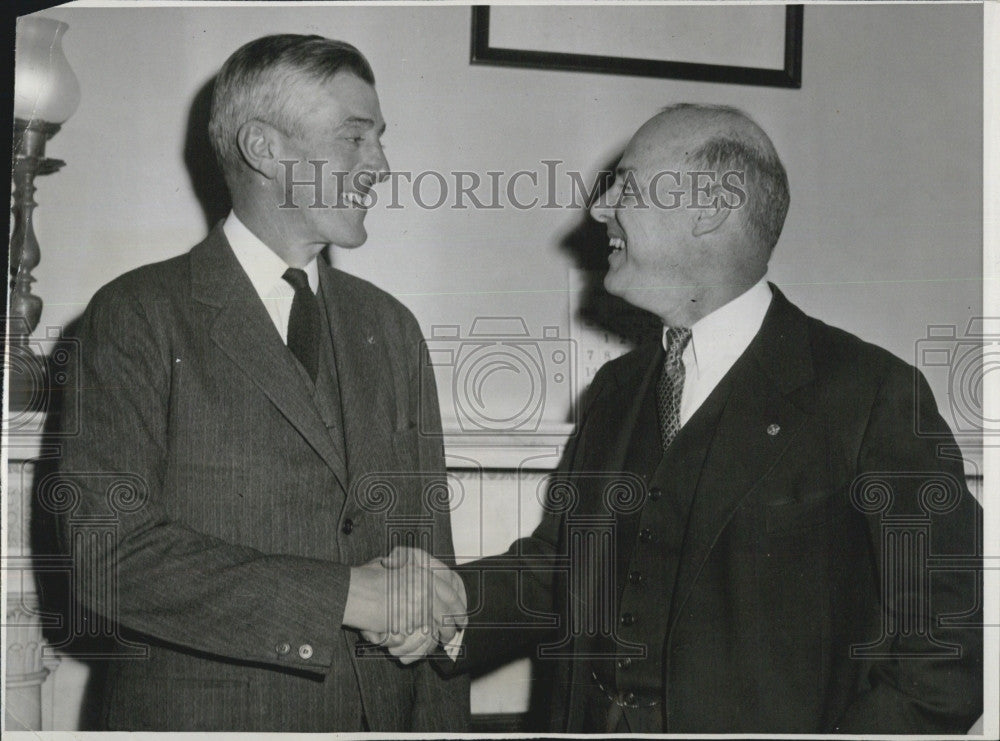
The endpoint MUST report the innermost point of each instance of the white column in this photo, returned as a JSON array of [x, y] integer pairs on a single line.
[[28, 669]]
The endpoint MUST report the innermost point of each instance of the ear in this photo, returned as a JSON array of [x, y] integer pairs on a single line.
[[258, 145], [712, 216]]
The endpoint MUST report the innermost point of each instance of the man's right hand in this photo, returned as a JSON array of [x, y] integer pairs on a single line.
[[408, 601]]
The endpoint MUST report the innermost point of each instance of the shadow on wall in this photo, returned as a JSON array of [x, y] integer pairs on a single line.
[[207, 181], [587, 244]]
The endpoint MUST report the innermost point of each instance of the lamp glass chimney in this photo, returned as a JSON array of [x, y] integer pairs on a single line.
[[45, 88]]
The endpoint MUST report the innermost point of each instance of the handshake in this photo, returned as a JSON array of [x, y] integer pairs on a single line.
[[408, 602]]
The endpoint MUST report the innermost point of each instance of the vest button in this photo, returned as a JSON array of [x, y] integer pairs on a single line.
[[628, 619], [629, 698], [348, 526], [624, 663], [634, 577], [645, 535], [655, 493]]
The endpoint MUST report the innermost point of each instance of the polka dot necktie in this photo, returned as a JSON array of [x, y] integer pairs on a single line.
[[671, 384], [303, 322]]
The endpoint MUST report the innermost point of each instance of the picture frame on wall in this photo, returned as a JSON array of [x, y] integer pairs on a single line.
[[742, 45]]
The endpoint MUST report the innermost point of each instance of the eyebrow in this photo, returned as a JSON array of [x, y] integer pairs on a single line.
[[358, 120]]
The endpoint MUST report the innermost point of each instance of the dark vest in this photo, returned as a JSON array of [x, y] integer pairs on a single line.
[[649, 542]]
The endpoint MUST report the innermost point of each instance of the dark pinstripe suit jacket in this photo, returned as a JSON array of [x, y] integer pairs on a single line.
[[234, 546]]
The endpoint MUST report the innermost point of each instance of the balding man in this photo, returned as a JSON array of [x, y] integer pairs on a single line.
[[719, 546], [259, 410]]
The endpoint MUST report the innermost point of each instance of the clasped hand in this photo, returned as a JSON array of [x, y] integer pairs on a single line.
[[407, 602]]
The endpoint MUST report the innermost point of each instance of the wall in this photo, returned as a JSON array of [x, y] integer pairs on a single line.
[[882, 145]]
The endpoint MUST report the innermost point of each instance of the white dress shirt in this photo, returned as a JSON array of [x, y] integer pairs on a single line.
[[717, 341], [264, 269]]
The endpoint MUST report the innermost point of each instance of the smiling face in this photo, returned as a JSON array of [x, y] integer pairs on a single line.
[[656, 262], [341, 127]]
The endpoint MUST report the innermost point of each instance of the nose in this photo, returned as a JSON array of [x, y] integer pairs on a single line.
[[379, 164], [601, 209]]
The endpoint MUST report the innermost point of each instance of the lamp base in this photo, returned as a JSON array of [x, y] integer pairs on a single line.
[[30, 137], [29, 161]]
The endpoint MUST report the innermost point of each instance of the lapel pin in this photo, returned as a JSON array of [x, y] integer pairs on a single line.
[[773, 429]]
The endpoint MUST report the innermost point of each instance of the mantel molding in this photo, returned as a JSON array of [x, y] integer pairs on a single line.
[[464, 449], [538, 450]]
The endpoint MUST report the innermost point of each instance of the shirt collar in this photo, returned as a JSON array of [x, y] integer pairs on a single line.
[[727, 332], [262, 264]]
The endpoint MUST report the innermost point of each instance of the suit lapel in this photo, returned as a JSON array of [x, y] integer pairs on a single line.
[[243, 330], [757, 424], [367, 394], [616, 413]]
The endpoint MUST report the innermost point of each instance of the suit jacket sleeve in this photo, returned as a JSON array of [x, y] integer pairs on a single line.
[[507, 592], [908, 693], [158, 576]]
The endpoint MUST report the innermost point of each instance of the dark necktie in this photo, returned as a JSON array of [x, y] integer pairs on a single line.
[[671, 384], [303, 322]]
